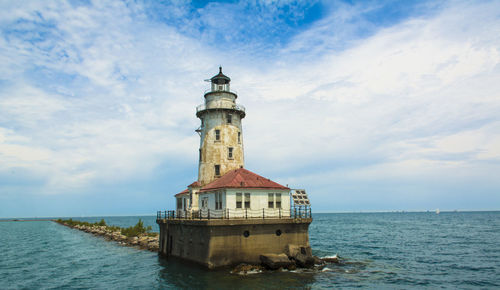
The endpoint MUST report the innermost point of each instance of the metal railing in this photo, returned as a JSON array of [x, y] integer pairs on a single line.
[[208, 91], [236, 107], [265, 213]]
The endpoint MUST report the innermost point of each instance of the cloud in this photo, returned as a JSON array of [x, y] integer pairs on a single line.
[[398, 100], [105, 93]]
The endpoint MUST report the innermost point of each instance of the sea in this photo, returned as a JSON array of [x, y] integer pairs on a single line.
[[397, 250]]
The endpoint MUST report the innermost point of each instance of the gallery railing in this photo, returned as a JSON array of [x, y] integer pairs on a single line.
[[265, 213], [236, 107]]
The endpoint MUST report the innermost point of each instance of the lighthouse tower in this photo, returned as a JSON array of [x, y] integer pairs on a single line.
[[221, 138], [231, 215]]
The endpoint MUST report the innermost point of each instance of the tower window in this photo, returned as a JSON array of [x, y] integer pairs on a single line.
[[239, 137], [217, 169], [200, 154], [238, 200], [229, 118], [230, 153], [217, 135]]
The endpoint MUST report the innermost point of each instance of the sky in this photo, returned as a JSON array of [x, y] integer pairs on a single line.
[[368, 105]]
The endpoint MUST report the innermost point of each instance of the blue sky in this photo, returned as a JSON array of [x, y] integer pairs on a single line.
[[369, 105]]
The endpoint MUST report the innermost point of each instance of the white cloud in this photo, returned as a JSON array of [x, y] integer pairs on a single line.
[[399, 98], [110, 95]]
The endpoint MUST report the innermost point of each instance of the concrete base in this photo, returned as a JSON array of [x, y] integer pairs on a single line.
[[218, 243]]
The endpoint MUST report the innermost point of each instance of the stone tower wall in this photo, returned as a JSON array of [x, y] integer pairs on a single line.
[[216, 152]]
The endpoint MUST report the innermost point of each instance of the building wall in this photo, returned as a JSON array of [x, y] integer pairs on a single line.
[[218, 243], [258, 198], [194, 198], [220, 100], [211, 199]]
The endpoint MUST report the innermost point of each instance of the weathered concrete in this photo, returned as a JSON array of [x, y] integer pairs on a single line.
[[217, 243], [215, 151], [275, 261]]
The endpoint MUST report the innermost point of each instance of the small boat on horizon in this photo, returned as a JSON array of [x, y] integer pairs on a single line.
[[437, 211]]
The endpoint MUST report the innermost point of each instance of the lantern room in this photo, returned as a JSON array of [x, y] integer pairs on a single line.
[[220, 82]]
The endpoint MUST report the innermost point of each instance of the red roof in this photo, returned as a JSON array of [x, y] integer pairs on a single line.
[[182, 192], [194, 184], [242, 178]]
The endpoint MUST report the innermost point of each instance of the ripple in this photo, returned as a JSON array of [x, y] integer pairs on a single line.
[[386, 250]]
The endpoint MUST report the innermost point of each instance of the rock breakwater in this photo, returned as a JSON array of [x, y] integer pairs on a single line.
[[295, 258], [137, 236]]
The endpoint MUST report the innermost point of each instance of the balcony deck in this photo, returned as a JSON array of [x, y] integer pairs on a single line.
[[221, 106], [236, 214]]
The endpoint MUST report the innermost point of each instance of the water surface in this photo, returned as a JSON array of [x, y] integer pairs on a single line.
[[380, 250]]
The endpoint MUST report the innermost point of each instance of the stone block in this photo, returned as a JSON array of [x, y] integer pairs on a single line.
[[304, 261], [275, 261]]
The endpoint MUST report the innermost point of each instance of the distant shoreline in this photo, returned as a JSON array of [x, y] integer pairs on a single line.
[[23, 219], [27, 220]]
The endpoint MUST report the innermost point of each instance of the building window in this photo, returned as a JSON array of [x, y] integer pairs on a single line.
[[200, 154], [217, 135], [229, 118], [217, 169], [238, 200], [202, 122], [278, 200], [218, 200], [239, 137], [270, 200], [247, 200], [204, 202], [179, 203], [230, 153]]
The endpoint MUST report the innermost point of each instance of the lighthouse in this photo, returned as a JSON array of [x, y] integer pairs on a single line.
[[231, 215], [221, 138]]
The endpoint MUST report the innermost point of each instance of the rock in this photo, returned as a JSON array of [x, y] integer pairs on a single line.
[[318, 261], [275, 261], [153, 246], [334, 259], [144, 241], [301, 255], [306, 251], [292, 250], [304, 261], [244, 269]]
